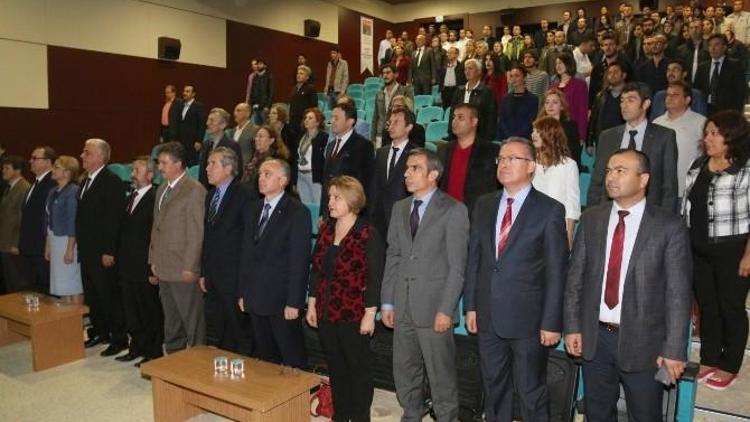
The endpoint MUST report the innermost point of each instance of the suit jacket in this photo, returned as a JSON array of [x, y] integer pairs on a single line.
[[33, 233], [660, 145], [261, 94], [206, 150], [246, 141], [304, 97], [732, 88], [222, 238], [686, 52], [657, 294], [135, 237], [99, 216], [483, 98], [340, 77], [379, 115], [481, 177], [425, 69], [177, 233], [520, 292], [386, 189], [275, 266], [426, 274], [192, 127], [11, 206], [354, 159]]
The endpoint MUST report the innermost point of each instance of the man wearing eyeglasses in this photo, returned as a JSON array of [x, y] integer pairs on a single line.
[[518, 254]]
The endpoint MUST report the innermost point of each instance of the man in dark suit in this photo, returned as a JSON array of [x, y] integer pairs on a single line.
[[98, 220], [628, 295], [476, 93], [390, 163], [140, 298], [518, 254], [349, 153], [275, 260], [261, 93], [658, 142], [190, 116], [424, 276], [695, 50], [33, 235], [304, 96], [450, 77], [721, 79], [226, 327], [422, 72], [469, 161], [218, 120]]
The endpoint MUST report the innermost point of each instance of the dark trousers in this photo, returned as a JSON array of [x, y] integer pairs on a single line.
[[601, 380], [721, 294], [101, 291], [143, 316], [279, 340], [446, 96], [38, 272], [15, 274], [509, 364], [348, 356], [422, 86], [227, 327]]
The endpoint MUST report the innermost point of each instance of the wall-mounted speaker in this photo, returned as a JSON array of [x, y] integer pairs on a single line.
[[169, 48], [312, 28]]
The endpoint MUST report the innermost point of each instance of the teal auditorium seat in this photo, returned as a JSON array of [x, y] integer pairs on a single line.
[[429, 115], [194, 171], [421, 101], [122, 171], [436, 131], [314, 214]]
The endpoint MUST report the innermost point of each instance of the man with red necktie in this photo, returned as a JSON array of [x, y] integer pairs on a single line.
[[628, 295], [515, 277]]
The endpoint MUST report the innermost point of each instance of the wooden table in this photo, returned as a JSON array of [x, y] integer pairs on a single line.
[[55, 329], [184, 386]]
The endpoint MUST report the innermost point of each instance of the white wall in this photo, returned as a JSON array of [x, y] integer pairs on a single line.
[[23, 75]]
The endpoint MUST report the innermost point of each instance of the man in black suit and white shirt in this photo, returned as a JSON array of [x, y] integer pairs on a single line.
[[390, 164], [33, 234], [218, 120], [422, 72], [275, 261], [658, 142], [628, 295], [226, 326], [98, 220], [191, 123], [140, 298], [721, 79]]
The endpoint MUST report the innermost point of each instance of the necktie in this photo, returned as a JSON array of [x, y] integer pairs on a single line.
[[263, 220], [631, 143], [713, 85], [165, 195], [419, 56], [335, 150], [31, 190], [502, 237], [612, 290], [696, 50], [131, 202], [414, 218], [392, 164], [86, 186], [213, 207]]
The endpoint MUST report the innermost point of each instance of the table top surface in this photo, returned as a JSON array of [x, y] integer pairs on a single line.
[[13, 307], [264, 386]]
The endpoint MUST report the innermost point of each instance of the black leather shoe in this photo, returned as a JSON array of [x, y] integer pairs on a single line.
[[128, 357], [95, 341], [113, 349], [141, 362]]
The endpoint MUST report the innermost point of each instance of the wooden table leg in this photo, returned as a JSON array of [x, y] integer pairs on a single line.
[[57, 342], [8, 336], [169, 403]]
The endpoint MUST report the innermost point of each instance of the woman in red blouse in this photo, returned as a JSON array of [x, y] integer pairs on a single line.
[[347, 270], [494, 77], [401, 61]]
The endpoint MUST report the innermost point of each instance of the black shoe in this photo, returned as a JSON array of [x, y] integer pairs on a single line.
[[141, 362], [130, 356], [95, 341], [113, 349]]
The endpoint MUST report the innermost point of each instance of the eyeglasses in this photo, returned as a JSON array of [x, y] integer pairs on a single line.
[[510, 159]]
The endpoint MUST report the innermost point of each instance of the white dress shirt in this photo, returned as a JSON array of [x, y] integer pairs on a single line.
[[632, 223], [561, 183], [641, 128], [689, 130]]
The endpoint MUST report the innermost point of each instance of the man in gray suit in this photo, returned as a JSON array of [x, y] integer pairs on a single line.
[[424, 275], [657, 142], [243, 133], [383, 99], [175, 250], [422, 72], [628, 295]]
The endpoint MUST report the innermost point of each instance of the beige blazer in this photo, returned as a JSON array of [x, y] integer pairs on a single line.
[[10, 214], [340, 79], [177, 233]]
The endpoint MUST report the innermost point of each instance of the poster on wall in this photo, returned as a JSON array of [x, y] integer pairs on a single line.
[[365, 45]]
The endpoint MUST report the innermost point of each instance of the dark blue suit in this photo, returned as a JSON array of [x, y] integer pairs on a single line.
[[274, 269], [515, 296], [206, 151], [226, 327], [33, 234]]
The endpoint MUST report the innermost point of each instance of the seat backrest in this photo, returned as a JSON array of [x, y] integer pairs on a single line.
[[436, 131]]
